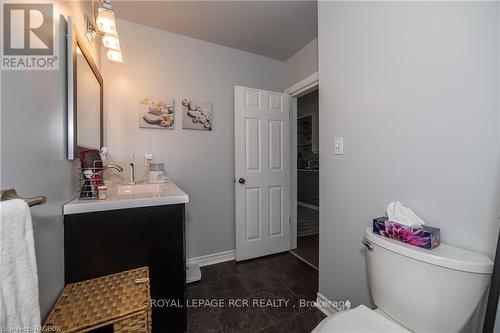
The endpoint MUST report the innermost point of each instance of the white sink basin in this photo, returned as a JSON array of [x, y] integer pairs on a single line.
[[138, 189], [130, 196]]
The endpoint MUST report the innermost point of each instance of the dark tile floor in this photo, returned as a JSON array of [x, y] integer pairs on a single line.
[[276, 289]]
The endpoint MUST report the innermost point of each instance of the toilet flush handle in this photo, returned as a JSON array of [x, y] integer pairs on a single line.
[[368, 245]]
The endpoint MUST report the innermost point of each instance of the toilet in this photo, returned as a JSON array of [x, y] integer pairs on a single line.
[[416, 290]]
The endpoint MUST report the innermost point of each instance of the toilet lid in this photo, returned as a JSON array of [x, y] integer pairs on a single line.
[[360, 320]]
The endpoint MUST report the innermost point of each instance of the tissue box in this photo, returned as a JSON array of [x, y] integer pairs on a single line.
[[425, 237]]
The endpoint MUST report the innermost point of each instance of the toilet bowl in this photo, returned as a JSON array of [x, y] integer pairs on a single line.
[[416, 290]]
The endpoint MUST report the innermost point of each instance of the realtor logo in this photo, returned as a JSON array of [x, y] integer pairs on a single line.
[[28, 36]]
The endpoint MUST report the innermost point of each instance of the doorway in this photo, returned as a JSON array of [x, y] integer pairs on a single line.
[[267, 167], [306, 162]]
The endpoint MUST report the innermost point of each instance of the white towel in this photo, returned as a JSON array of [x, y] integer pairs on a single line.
[[19, 307]]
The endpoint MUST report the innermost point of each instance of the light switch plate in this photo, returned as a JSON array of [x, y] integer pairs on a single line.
[[339, 146], [148, 156]]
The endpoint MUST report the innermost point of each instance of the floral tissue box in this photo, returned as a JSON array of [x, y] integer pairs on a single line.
[[425, 237]]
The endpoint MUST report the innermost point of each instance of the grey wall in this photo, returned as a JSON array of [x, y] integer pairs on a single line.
[[413, 89], [164, 64], [302, 64], [33, 153]]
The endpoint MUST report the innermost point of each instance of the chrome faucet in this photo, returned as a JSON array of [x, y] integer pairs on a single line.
[[112, 166]]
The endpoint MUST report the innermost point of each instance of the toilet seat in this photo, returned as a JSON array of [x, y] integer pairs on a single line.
[[359, 320]]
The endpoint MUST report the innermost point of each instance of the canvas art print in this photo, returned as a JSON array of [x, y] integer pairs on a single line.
[[156, 112], [196, 115]]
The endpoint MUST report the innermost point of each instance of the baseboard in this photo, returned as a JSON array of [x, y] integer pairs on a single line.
[[325, 305], [303, 204], [214, 258]]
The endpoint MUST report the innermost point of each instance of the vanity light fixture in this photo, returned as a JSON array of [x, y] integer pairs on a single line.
[[104, 25], [111, 41], [106, 21], [114, 55]]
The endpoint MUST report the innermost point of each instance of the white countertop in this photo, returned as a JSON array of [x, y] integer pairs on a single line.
[[169, 194]]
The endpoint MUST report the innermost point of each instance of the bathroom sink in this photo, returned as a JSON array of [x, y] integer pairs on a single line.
[[138, 189], [130, 196]]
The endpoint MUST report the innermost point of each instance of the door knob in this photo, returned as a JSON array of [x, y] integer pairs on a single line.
[[241, 180]]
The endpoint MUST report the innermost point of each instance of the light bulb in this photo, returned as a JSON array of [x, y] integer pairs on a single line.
[[111, 41], [114, 55], [106, 21]]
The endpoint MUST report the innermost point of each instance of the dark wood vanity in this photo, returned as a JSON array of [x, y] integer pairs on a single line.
[[104, 242]]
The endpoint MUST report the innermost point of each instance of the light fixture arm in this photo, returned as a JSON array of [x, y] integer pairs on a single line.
[[103, 25], [92, 31]]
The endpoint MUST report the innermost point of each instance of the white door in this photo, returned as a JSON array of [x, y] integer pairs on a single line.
[[262, 183]]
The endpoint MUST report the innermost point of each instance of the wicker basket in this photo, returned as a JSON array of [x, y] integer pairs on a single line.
[[122, 300]]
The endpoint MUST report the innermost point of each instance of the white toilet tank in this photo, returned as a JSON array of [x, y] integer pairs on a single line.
[[426, 290]]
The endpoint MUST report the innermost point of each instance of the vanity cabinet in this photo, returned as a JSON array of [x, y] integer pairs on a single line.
[[105, 242]]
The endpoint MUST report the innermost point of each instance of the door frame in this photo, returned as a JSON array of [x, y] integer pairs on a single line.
[[297, 90]]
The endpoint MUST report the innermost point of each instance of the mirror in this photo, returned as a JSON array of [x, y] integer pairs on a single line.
[[85, 97]]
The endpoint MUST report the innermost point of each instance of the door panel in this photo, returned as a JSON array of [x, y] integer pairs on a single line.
[[275, 102], [262, 172], [275, 145], [252, 99], [253, 144], [275, 211], [253, 214]]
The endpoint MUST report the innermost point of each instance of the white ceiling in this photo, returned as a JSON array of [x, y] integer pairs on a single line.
[[275, 29]]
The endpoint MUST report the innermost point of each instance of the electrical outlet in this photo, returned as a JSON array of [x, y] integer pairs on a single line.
[[148, 158]]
